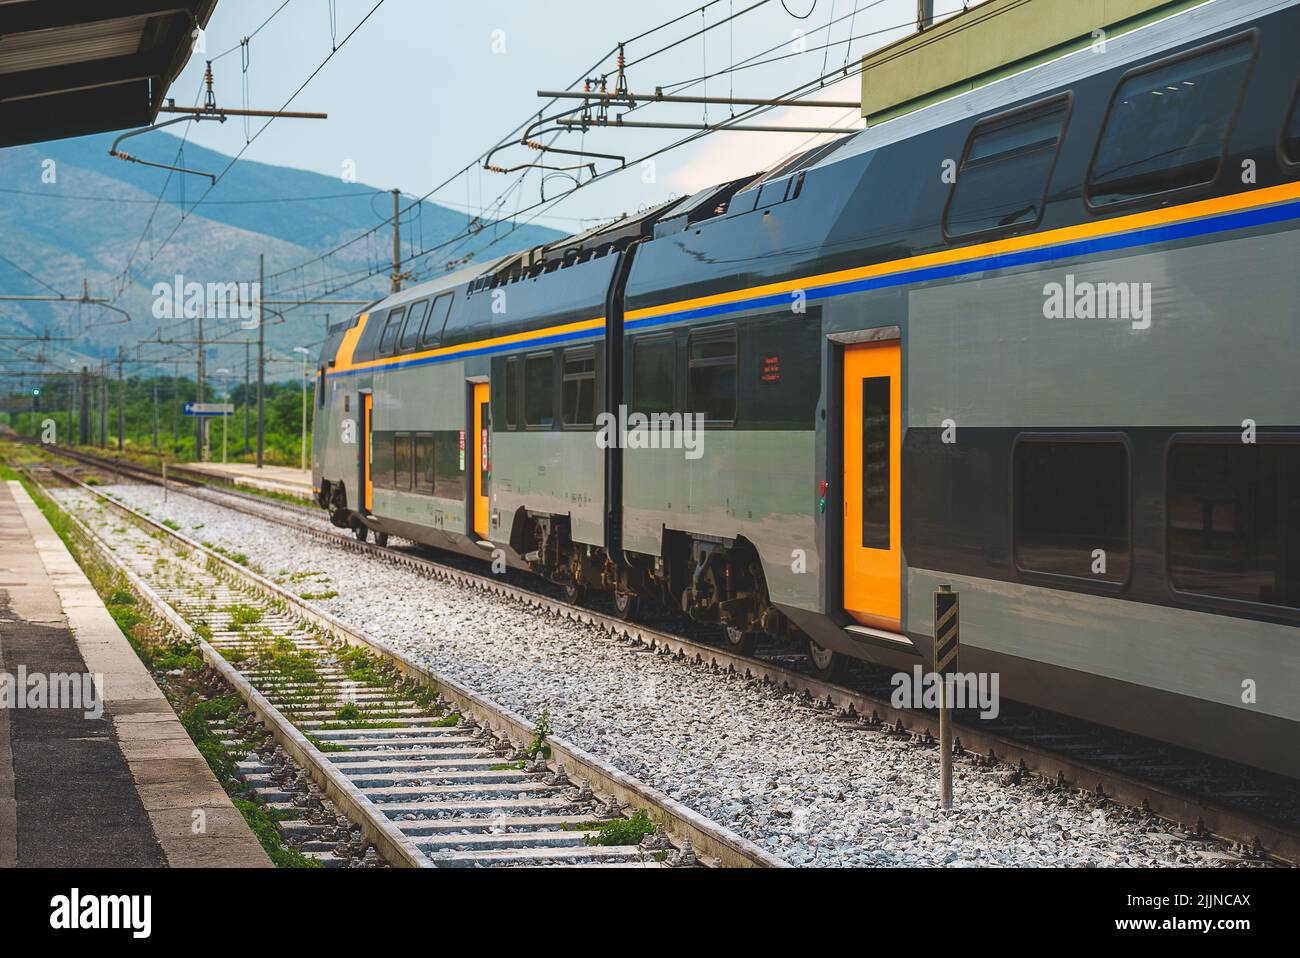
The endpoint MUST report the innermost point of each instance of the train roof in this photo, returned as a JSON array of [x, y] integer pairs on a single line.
[[1183, 25]]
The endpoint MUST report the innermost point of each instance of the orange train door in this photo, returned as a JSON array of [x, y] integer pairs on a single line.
[[367, 485], [872, 490], [482, 466]]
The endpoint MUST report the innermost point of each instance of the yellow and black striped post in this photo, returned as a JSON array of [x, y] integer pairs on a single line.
[[947, 642]]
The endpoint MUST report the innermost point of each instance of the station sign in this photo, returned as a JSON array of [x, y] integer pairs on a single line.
[[208, 409]]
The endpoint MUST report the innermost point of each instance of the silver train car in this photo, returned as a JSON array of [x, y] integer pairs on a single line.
[[1063, 380]]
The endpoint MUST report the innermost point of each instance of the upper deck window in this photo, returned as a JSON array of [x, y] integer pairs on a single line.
[[389, 340], [1003, 178], [1168, 125], [1291, 135], [414, 321]]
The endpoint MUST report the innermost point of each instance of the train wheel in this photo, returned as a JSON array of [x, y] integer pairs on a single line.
[[741, 641], [381, 539], [827, 665], [626, 605], [574, 594], [362, 532]]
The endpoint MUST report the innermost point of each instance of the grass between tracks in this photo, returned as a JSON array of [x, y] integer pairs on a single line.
[[177, 667]]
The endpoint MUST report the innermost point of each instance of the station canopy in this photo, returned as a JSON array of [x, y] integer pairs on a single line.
[[71, 69]]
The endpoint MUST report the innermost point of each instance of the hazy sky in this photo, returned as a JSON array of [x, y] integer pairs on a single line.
[[425, 86]]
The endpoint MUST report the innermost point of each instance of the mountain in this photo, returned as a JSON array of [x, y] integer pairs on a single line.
[[71, 213]]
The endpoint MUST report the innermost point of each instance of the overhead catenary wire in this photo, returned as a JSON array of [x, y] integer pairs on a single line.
[[349, 279], [508, 137], [185, 214], [807, 87]]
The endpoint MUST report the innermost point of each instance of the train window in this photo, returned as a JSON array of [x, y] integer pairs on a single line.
[[449, 465], [579, 386], [1291, 134], [877, 474], [1070, 508], [369, 338], [389, 340], [1168, 125], [771, 193], [512, 392], [711, 379], [424, 471], [654, 375], [414, 325], [436, 320], [1233, 520], [1004, 174], [381, 460], [539, 390], [402, 461], [320, 387]]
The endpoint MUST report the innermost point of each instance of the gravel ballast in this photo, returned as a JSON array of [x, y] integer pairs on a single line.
[[807, 786]]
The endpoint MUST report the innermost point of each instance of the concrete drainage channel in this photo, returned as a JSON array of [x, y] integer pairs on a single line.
[[373, 760]]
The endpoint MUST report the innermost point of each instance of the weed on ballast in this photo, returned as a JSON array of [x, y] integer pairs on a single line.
[[242, 615], [622, 831], [540, 730]]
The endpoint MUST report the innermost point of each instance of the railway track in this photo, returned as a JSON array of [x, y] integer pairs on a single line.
[[1256, 813], [375, 760]]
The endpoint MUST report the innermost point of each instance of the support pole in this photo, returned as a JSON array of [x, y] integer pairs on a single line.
[[176, 406], [248, 371], [945, 746], [397, 242], [261, 357], [121, 400], [201, 422], [303, 464], [947, 645], [83, 426], [103, 405]]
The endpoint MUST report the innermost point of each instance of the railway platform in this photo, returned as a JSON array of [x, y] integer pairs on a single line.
[[281, 479], [95, 767]]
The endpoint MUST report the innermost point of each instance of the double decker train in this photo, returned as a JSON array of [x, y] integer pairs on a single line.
[[1039, 340]]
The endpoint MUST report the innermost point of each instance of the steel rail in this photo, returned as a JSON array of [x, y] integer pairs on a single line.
[[713, 843]]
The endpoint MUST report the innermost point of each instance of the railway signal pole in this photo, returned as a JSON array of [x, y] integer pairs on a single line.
[[947, 632]]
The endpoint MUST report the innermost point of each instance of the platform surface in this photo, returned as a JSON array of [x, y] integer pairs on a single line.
[[120, 789], [281, 479]]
